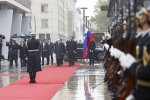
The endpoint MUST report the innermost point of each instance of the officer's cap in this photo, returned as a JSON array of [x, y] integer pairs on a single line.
[[147, 5], [124, 22], [142, 10], [33, 33], [137, 16]]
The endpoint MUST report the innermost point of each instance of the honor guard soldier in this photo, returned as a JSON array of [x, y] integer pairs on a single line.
[[139, 68], [33, 56]]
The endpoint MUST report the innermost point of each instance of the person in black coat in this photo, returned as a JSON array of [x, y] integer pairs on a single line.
[[33, 56], [44, 51], [14, 53], [63, 50], [22, 48], [1, 49], [9, 48], [71, 49], [59, 52], [51, 50], [91, 51]]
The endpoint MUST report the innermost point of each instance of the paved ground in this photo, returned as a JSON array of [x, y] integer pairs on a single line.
[[73, 89]]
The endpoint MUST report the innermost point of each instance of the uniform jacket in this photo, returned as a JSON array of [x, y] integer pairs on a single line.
[[34, 61], [143, 72]]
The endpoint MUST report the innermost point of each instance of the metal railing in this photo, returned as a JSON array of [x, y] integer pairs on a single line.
[[26, 3]]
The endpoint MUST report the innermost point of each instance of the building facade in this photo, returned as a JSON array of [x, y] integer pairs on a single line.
[[78, 25], [14, 19], [53, 18]]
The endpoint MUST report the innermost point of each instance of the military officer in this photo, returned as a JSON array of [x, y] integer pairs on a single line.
[[33, 57], [140, 69]]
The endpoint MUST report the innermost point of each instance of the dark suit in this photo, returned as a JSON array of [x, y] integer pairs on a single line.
[[63, 46], [51, 50], [59, 53], [44, 50], [22, 54], [14, 54], [91, 52], [71, 49]]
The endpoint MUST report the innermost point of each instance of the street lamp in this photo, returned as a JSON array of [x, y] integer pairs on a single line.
[[83, 20], [86, 20]]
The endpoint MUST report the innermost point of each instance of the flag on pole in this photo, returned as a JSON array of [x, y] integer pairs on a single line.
[[89, 36]]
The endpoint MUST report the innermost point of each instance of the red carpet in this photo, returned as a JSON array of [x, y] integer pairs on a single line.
[[49, 81]]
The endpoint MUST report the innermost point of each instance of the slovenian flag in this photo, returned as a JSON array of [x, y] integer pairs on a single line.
[[89, 36]]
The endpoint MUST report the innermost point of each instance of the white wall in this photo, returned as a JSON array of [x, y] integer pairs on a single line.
[[25, 24], [5, 28]]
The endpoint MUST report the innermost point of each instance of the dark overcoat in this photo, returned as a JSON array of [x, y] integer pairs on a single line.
[[91, 47], [22, 49], [34, 60], [59, 50], [71, 47], [14, 50]]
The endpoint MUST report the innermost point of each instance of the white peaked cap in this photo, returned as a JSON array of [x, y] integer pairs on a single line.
[[33, 33]]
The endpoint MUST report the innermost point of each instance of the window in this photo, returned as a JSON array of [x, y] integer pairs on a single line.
[[44, 23], [44, 8]]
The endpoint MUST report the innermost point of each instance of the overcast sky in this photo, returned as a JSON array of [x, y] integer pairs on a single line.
[[87, 3]]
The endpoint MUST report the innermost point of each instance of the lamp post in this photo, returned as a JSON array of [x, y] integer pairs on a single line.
[[83, 20], [86, 20]]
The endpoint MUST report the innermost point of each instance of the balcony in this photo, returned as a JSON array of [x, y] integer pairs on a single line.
[[26, 3]]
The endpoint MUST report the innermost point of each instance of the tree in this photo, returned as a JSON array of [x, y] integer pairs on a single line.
[[100, 17]]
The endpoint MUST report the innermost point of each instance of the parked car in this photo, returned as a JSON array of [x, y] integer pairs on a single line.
[[99, 53]]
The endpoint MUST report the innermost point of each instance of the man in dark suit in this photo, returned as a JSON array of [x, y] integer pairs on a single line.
[[91, 51], [71, 49], [14, 53], [63, 46], [22, 48], [51, 50], [44, 51], [59, 52]]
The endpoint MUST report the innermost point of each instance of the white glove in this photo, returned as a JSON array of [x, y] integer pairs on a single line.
[[106, 46], [110, 50], [118, 53], [127, 60], [130, 97], [107, 36]]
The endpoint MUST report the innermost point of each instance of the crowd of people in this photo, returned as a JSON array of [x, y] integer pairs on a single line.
[[46, 50]]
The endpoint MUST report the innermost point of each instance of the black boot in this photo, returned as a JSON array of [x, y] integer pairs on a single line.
[[34, 76], [31, 77]]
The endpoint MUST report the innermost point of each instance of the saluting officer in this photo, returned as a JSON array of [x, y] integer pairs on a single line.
[[33, 57], [140, 69]]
